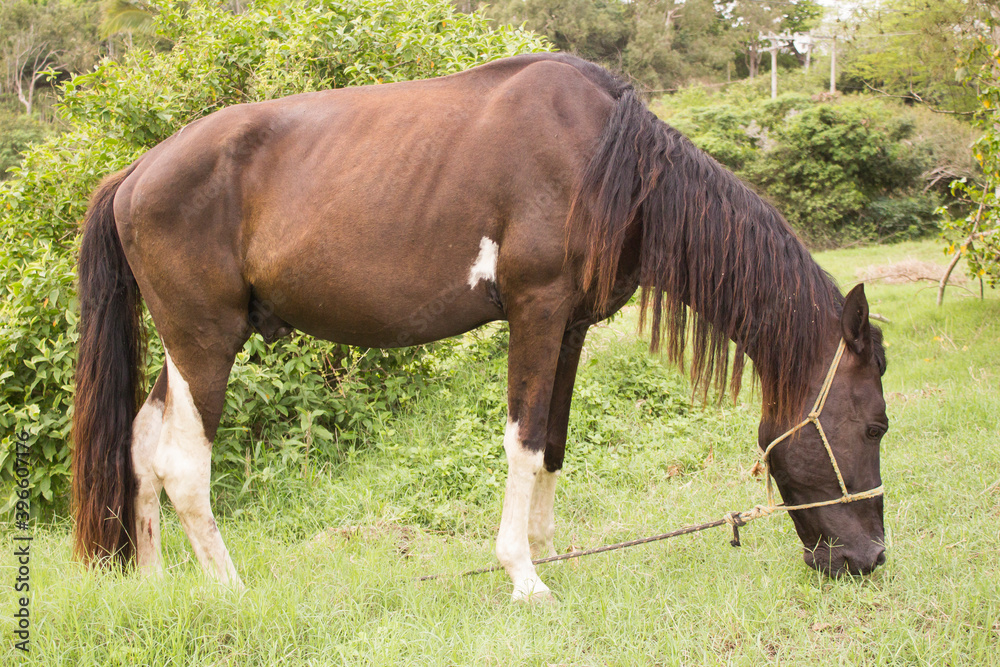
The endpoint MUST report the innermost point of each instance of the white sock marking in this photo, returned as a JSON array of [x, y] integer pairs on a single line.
[[513, 551], [485, 266], [542, 522], [146, 429], [183, 462]]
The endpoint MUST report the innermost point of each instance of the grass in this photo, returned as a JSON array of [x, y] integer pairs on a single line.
[[329, 555]]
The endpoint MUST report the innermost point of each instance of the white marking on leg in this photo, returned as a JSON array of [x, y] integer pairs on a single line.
[[485, 266], [184, 462], [542, 522], [513, 551], [146, 429]]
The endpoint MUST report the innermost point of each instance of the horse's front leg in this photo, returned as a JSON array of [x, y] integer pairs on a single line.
[[537, 323], [542, 521]]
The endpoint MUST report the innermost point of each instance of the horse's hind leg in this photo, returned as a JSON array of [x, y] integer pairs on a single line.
[[537, 323], [542, 523], [197, 371], [146, 430]]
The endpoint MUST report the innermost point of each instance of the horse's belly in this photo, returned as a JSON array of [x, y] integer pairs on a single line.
[[380, 312]]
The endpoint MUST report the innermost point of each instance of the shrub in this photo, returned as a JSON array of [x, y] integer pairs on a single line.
[[829, 162], [840, 171], [17, 131], [286, 403], [899, 218]]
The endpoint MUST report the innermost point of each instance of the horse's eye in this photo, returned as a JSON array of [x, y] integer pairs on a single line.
[[874, 432]]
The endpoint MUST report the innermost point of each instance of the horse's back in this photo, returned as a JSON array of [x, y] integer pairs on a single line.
[[344, 209]]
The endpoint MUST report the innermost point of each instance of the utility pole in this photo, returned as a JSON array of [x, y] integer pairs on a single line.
[[833, 65], [833, 59], [774, 69], [775, 42], [775, 46]]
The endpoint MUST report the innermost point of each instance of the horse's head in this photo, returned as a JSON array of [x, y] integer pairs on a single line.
[[845, 537]]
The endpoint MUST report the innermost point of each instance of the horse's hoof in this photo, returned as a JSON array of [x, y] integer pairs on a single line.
[[546, 598], [538, 593]]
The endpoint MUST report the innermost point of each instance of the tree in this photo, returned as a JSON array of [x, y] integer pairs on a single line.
[[753, 20], [800, 18], [649, 56], [908, 48], [703, 38], [596, 30], [41, 37], [126, 17], [659, 43], [976, 237]]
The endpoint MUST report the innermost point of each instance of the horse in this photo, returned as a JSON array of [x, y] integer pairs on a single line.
[[536, 189]]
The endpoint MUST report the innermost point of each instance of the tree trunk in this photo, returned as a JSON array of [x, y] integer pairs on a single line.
[[26, 100]]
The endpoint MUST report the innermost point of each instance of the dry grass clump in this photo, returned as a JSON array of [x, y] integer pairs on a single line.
[[908, 271]]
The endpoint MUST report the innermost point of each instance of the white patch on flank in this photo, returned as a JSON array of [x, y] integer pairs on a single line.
[[485, 266], [183, 462], [513, 551], [542, 521], [146, 429]]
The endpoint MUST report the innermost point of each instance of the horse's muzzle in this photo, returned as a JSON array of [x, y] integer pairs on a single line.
[[837, 561]]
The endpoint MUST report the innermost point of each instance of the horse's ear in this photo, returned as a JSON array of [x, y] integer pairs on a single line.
[[854, 322]]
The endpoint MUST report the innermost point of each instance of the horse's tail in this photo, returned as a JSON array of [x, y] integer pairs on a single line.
[[109, 379]]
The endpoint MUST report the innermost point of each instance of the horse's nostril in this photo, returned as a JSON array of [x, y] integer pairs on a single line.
[[880, 559]]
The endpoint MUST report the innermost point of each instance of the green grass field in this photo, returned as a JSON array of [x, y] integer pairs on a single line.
[[329, 553]]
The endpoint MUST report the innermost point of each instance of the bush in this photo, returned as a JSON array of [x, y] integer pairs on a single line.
[[302, 397], [17, 132], [840, 171], [899, 219], [829, 162]]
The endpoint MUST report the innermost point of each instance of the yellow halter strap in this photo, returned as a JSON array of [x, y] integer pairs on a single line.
[[813, 418]]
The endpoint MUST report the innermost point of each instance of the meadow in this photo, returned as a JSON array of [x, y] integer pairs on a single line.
[[330, 550]]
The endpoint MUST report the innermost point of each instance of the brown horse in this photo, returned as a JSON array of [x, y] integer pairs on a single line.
[[536, 189]]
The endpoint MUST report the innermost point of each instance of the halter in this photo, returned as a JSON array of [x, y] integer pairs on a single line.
[[813, 418]]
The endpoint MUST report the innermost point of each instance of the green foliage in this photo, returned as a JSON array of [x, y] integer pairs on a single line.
[[899, 219], [829, 162], [126, 16], [839, 171], [301, 398], [16, 133], [597, 31], [908, 48], [41, 35], [977, 235], [454, 462], [658, 43]]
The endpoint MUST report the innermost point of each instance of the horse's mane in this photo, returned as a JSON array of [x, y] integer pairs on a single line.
[[717, 262]]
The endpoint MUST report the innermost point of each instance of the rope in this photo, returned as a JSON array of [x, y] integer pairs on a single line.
[[735, 520], [599, 550]]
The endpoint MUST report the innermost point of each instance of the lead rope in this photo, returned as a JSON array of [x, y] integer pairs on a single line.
[[733, 519]]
